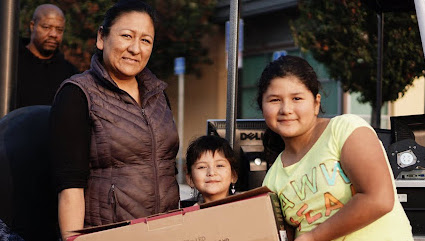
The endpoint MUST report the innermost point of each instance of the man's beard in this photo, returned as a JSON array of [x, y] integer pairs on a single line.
[[46, 49], [47, 52]]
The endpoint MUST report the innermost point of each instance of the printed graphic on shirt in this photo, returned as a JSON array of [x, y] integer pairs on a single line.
[[314, 195]]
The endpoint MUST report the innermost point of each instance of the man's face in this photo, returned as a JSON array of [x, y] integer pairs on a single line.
[[47, 33]]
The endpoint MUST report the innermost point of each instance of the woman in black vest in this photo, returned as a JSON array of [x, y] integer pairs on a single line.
[[113, 134]]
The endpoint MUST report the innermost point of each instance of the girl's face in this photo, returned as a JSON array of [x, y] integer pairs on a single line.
[[289, 108], [128, 46], [212, 176]]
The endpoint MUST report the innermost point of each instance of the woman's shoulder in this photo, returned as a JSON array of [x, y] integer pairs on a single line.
[[85, 76]]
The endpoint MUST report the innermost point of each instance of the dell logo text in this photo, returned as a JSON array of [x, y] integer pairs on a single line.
[[251, 136]]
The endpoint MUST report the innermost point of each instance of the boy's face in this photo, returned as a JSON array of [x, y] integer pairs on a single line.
[[212, 176]]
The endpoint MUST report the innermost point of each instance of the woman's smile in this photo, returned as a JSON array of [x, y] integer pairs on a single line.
[[131, 60]]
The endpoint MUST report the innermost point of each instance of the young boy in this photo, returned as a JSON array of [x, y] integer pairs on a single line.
[[211, 167]]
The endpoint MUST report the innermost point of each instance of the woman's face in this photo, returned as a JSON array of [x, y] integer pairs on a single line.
[[128, 46], [212, 176], [289, 108]]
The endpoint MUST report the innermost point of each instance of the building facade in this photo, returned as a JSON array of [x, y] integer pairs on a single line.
[[266, 30]]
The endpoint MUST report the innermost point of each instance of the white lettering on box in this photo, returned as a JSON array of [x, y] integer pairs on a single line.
[[283, 236]]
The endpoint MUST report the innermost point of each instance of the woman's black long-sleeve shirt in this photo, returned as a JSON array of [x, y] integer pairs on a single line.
[[70, 130]]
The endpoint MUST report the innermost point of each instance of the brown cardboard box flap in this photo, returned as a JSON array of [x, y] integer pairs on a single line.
[[248, 194], [234, 198], [129, 222]]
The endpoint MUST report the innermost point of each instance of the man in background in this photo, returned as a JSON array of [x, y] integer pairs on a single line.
[[41, 66], [28, 203]]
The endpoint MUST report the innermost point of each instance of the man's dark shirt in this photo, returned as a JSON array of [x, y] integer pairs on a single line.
[[38, 79], [28, 201]]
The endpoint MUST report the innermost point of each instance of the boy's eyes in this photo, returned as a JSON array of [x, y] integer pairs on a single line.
[[218, 165]]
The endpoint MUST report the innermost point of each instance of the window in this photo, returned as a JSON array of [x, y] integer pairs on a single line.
[[251, 72]]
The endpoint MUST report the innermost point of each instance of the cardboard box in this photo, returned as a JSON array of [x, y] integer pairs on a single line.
[[253, 215]]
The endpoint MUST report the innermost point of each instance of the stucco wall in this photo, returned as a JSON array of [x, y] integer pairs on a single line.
[[205, 96], [412, 103]]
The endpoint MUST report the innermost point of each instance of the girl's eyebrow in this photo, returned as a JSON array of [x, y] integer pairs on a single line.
[[272, 95], [293, 93]]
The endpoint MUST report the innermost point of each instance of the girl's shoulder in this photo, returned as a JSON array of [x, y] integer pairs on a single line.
[[349, 121], [342, 126]]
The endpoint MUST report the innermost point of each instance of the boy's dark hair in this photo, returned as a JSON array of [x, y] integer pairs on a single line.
[[210, 143]]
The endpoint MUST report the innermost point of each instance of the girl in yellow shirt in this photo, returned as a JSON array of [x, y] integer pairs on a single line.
[[333, 177]]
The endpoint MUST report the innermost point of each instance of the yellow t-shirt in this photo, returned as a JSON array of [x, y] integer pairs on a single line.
[[316, 187]]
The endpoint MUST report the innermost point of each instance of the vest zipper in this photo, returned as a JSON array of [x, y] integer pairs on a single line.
[[155, 172], [154, 163], [157, 198], [112, 201], [144, 116]]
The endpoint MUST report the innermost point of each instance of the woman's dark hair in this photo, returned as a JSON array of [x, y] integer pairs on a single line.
[[214, 144], [120, 8], [288, 66]]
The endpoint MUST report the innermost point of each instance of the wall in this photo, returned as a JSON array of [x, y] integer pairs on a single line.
[[205, 95], [412, 103]]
